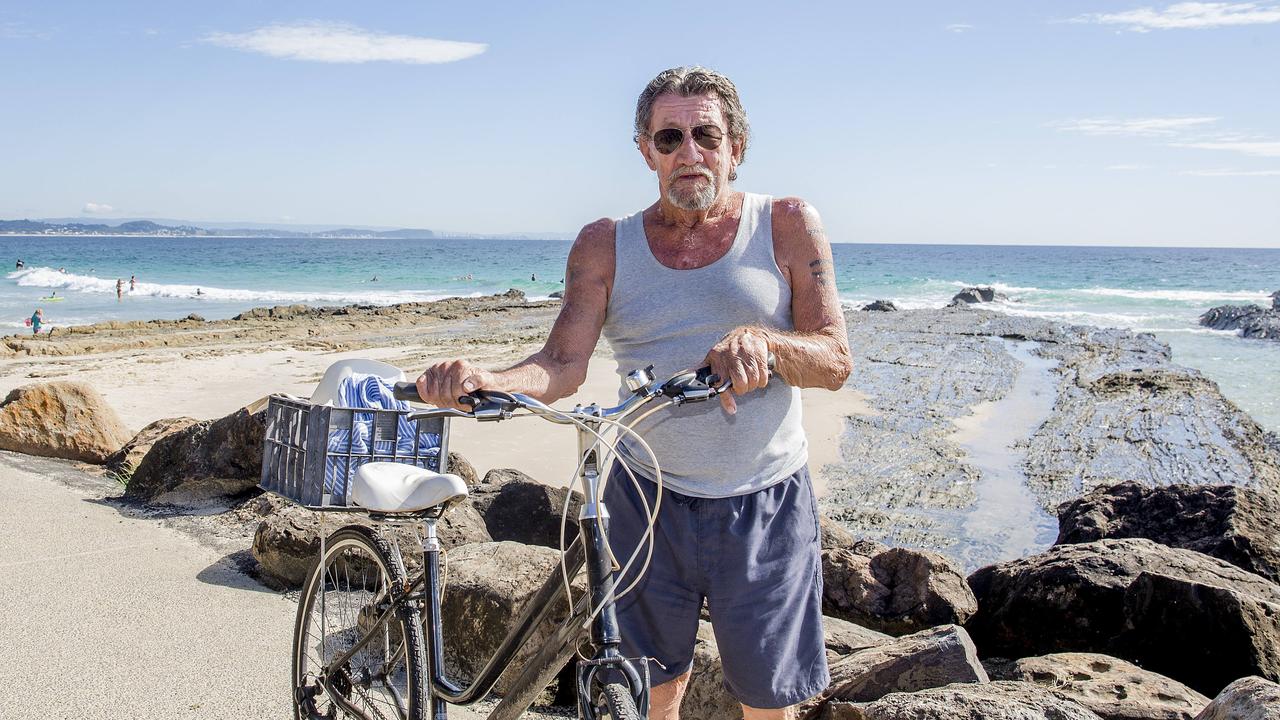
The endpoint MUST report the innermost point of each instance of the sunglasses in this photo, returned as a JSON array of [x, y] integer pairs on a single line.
[[668, 139]]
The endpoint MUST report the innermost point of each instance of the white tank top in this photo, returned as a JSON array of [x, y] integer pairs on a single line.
[[670, 319]]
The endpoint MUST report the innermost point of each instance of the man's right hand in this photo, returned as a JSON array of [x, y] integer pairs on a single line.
[[443, 383]]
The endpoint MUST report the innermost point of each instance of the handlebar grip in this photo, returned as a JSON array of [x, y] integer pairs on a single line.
[[406, 391], [705, 376]]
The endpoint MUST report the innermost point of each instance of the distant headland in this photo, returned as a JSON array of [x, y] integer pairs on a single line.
[[149, 228]]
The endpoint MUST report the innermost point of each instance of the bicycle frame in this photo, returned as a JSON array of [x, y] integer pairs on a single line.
[[589, 549]]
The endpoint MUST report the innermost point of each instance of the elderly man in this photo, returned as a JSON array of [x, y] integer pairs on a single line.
[[705, 275]]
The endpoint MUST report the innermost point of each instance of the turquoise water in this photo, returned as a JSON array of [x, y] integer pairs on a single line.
[[1160, 290]]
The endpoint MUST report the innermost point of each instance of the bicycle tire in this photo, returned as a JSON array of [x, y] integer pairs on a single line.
[[617, 702], [344, 602]]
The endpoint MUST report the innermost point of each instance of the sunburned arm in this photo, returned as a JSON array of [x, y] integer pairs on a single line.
[[816, 353], [560, 366]]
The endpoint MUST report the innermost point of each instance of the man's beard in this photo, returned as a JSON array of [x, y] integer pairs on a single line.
[[692, 198]]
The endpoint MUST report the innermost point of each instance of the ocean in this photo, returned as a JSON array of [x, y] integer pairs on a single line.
[[1157, 290]]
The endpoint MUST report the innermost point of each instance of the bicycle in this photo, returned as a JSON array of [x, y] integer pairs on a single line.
[[379, 651]]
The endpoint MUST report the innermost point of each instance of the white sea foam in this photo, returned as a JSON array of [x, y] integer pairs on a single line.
[[1189, 296], [43, 277]]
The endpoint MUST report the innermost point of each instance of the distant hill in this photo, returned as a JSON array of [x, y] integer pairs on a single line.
[[180, 228], [149, 228]]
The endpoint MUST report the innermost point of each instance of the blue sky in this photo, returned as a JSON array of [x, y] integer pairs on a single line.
[[1114, 123]]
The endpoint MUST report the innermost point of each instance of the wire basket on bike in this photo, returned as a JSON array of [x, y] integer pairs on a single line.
[[312, 452]]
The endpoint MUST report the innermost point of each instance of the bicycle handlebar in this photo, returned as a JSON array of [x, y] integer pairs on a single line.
[[688, 386]]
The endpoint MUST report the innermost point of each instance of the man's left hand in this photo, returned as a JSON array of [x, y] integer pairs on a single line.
[[742, 356]]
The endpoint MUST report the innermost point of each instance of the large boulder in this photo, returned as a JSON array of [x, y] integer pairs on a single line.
[[489, 584], [1275, 300], [62, 419], [287, 541], [1002, 700], [843, 637], [126, 459], [980, 294], [1239, 525], [518, 508], [1177, 612], [928, 659], [706, 699], [1250, 698], [894, 590], [1111, 687], [209, 459]]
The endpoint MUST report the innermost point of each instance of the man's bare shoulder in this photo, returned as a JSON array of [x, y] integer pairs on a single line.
[[795, 215], [592, 254], [797, 231], [595, 236]]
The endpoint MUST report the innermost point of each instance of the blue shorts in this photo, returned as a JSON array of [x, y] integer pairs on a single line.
[[756, 560]]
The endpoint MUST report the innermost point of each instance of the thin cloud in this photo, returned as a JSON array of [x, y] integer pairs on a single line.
[[93, 208], [1256, 148], [344, 43], [1139, 127], [959, 27], [1188, 16], [1125, 168], [1226, 172]]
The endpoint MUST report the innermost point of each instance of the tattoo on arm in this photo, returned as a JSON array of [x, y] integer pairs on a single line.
[[821, 271]]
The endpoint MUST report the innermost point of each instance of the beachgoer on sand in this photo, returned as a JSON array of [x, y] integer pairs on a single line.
[[751, 499], [37, 319]]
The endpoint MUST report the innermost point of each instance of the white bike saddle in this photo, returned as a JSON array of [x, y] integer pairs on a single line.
[[389, 487]]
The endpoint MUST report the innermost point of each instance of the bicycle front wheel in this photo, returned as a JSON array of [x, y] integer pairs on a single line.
[[342, 598], [614, 701]]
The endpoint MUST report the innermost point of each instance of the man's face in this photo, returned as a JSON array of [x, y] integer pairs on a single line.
[[691, 177]]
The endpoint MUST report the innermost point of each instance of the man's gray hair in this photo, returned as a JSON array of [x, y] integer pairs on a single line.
[[690, 81]]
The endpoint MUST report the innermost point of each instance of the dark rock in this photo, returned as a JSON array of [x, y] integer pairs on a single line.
[[1239, 525], [880, 306], [1177, 612], [212, 458], [557, 295], [1275, 300], [193, 317], [1111, 687], [489, 584], [516, 507], [1250, 698], [928, 659], [896, 591], [980, 294], [287, 541], [966, 701], [1253, 321], [461, 467], [61, 419], [123, 461]]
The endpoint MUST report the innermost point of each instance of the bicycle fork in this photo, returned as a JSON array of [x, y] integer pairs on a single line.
[[606, 638]]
